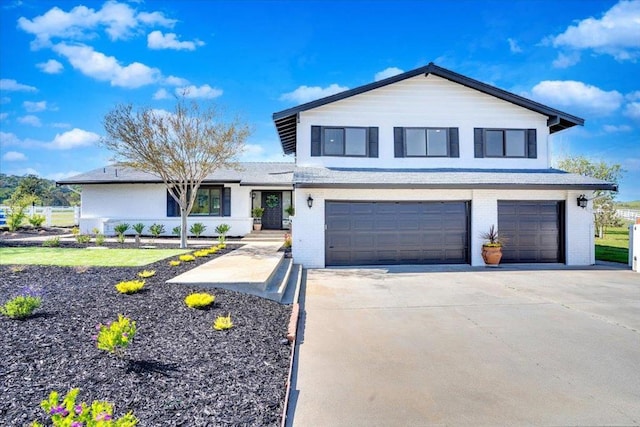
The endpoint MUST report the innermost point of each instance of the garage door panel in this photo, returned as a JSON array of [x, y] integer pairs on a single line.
[[402, 233], [533, 229]]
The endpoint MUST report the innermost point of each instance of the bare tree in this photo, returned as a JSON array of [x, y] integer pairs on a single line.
[[181, 147], [603, 202]]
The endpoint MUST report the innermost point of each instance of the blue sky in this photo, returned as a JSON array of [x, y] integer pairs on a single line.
[[64, 64]]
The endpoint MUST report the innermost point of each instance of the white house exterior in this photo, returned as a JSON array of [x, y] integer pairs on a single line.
[[114, 195], [412, 169]]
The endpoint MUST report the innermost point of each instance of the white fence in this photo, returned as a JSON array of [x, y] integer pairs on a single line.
[[628, 214], [54, 215]]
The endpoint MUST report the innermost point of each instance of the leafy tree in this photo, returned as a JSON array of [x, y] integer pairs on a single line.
[[181, 147], [603, 203], [18, 204]]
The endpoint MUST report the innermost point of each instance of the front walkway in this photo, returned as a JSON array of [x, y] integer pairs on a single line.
[[383, 347]]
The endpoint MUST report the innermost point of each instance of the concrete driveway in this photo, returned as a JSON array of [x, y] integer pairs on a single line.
[[380, 347]]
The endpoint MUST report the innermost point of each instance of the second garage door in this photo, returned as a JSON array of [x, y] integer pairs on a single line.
[[366, 233], [534, 230]]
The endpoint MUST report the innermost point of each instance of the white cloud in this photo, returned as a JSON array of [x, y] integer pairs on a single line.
[[119, 21], [14, 156], [72, 139], [14, 86], [513, 46], [106, 68], [176, 81], [578, 96], [254, 150], [617, 33], [566, 61], [204, 91], [31, 120], [50, 67], [3, 116], [7, 139], [309, 93], [57, 176], [632, 110], [157, 40], [161, 94], [34, 107], [633, 96], [387, 72], [616, 129]]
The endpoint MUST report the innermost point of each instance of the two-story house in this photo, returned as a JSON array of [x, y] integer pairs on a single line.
[[412, 169]]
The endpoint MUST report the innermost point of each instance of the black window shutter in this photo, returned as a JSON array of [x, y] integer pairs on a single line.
[[316, 141], [398, 142], [226, 201], [172, 206], [454, 145], [478, 142], [532, 144], [373, 142]]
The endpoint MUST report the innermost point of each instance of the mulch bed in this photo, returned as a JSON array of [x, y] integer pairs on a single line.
[[24, 232], [178, 371]]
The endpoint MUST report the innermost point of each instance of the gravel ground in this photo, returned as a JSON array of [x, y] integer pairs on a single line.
[[178, 371]]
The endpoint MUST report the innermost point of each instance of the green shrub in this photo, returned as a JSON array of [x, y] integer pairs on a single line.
[[83, 238], [17, 211], [68, 413], [221, 323], [199, 300], [222, 231], [176, 231], [75, 230], [37, 220], [20, 307], [99, 239], [187, 258], [197, 229], [122, 228], [51, 242], [144, 274], [130, 286], [156, 229], [222, 246], [138, 228], [116, 336]]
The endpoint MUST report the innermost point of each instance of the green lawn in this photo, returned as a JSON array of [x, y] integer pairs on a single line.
[[71, 257], [615, 245]]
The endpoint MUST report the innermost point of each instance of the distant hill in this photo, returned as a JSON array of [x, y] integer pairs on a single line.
[[634, 205], [45, 189]]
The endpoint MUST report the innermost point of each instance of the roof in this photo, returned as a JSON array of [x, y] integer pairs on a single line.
[[286, 121], [265, 174], [446, 179]]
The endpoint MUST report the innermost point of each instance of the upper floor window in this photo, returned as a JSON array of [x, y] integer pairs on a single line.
[[426, 142], [344, 141], [505, 143], [210, 201]]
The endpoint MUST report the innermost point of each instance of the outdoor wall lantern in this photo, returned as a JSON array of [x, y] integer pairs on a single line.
[[253, 195], [582, 201], [310, 201]]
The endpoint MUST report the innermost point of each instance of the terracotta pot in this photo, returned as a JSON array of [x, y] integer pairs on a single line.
[[257, 227], [492, 254]]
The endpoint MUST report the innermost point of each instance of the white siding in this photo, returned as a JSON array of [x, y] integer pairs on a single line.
[[105, 205], [422, 102], [309, 233]]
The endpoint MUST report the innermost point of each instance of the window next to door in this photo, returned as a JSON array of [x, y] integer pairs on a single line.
[[210, 201]]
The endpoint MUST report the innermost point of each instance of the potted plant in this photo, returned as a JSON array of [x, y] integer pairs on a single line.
[[290, 210], [257, 218], [492, 247]]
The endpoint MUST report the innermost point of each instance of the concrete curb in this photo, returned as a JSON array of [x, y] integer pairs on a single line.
[[291, 337]]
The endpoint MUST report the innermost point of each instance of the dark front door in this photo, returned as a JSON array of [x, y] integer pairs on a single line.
[[360, 233], [533, 229], [272, 204]]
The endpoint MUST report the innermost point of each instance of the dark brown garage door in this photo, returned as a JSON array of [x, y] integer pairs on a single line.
[[534, 230], [365, 233]]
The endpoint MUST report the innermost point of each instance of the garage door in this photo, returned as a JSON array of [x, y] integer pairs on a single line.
[[534, 230], [365, 233]]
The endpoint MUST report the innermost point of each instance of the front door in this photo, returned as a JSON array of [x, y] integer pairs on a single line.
[[272, 204]]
